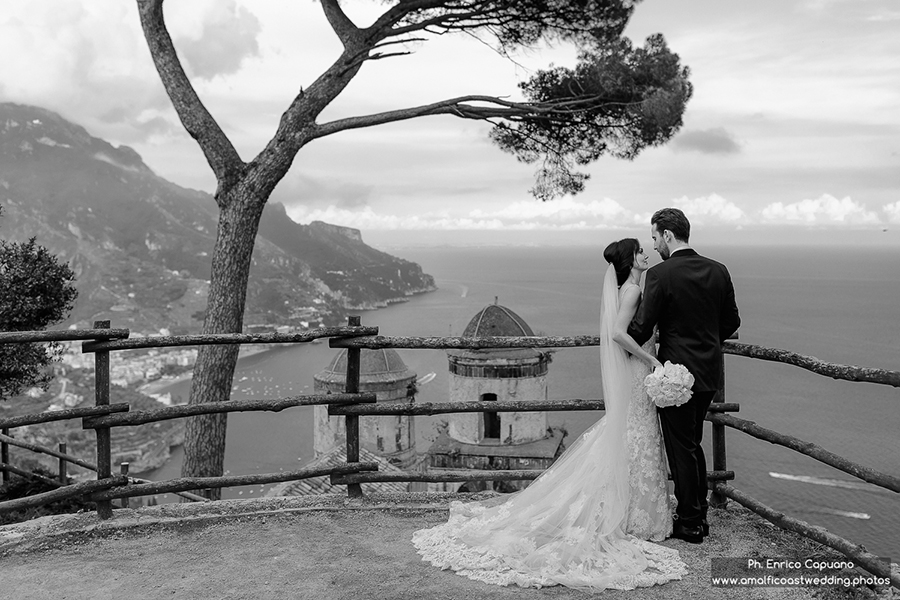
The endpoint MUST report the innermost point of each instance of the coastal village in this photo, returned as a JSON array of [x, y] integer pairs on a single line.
[[486, 440], [137, 378]]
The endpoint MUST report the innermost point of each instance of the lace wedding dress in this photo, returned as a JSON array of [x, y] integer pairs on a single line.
[[650, 507], [585, 522]]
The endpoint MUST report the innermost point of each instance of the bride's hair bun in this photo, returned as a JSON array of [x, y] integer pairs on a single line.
[[620, 254]]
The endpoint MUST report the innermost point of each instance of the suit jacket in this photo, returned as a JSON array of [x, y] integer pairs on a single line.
[[691, 299]]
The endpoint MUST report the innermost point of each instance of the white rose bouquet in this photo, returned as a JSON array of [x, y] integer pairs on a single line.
[[669, 385]]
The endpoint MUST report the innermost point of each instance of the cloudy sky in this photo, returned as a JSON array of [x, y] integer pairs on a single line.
[[793, 130]]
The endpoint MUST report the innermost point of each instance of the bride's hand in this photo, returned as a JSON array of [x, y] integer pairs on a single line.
[[654, 362]]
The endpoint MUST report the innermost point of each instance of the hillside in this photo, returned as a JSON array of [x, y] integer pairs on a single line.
[[140, 245]]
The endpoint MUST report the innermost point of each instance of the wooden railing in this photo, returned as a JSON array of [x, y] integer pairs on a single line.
[[352, 405], [103, 416]]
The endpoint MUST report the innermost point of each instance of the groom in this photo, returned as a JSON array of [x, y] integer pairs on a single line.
[[691, 300]]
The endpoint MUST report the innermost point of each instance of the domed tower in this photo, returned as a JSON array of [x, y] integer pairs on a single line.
[[498, 374], [491, 440], [383, 372]]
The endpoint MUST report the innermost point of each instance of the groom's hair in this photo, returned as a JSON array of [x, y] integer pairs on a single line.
[[620, 254], [673, 220]]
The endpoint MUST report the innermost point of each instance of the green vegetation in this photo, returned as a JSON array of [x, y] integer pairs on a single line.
[[35, 291], [20, 487]]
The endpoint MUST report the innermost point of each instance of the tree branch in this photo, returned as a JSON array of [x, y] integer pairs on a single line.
[[345, 29], [495, 108], [218, 149]]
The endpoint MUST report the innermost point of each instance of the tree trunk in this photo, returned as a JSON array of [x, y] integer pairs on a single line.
[[204, 440]]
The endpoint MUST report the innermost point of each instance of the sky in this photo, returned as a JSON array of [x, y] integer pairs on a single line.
[[793, 131]]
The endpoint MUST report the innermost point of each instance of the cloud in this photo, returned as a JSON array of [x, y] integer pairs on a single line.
[[825, 210], [367, 219], [706, 141], [712, 210], [562, 211], [893, 212], [228, 36], [87, 61], [322, 192], [566, 214]]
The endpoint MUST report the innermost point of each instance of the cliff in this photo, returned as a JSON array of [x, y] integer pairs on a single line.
[[141, 246]]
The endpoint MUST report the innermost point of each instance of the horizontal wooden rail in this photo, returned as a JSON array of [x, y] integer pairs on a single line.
[[859, 554], [62, 335], [69, 491], [439, 408], [62, 415], [69, 458], [30, 475], [435, 476], [449, 343], [227, 338], [811, 363], [458, 475], [140, 417], [199, 483], [809, 449], [185, 495], [41, 449]]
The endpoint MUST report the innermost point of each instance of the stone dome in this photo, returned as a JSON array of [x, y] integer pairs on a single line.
[[382, 365], [497, 320]]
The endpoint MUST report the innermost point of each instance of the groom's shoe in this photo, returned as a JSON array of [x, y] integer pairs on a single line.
[[693, 535]]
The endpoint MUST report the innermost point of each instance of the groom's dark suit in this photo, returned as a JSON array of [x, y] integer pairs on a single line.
[[691, 300]]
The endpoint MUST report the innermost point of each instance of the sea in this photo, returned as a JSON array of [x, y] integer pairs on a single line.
[[838, 304]]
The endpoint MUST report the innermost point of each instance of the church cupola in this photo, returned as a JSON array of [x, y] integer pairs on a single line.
[[499, 374], [383, 372]]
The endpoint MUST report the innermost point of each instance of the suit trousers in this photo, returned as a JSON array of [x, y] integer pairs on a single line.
[[682, 429]]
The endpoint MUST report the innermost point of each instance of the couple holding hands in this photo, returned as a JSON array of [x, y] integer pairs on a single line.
[[591, 520]]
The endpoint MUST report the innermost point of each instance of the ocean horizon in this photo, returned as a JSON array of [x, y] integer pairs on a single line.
[[834, 303]]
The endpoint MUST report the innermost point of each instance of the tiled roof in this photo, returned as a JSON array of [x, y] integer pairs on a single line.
[[322, 485], [496, 320], [380, 365], [548, 447]]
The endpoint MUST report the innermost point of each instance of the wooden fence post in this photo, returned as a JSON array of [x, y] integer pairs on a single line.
[[123, 469], [104, 442], [716, 499], [4, 456], [354, 490], [63, 475]]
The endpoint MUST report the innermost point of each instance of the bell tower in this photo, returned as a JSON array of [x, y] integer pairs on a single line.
[[489, 439], [501, 374], [383, 372]]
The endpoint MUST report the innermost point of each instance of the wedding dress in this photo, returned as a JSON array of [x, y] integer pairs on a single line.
[[650, 506], [584, 523]]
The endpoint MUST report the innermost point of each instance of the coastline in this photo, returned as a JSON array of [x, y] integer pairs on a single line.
[[158, 386]]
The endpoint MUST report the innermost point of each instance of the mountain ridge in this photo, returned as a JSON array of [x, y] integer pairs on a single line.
[[141, 246]]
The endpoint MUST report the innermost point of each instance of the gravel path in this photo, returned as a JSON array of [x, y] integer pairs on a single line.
[[318, 548]]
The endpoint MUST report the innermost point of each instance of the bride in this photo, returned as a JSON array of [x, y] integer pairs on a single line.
[[586, 521]]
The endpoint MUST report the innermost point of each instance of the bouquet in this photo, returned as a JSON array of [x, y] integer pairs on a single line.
[[669, 385]]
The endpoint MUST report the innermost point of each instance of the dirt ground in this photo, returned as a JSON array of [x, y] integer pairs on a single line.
[[324, 548]]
